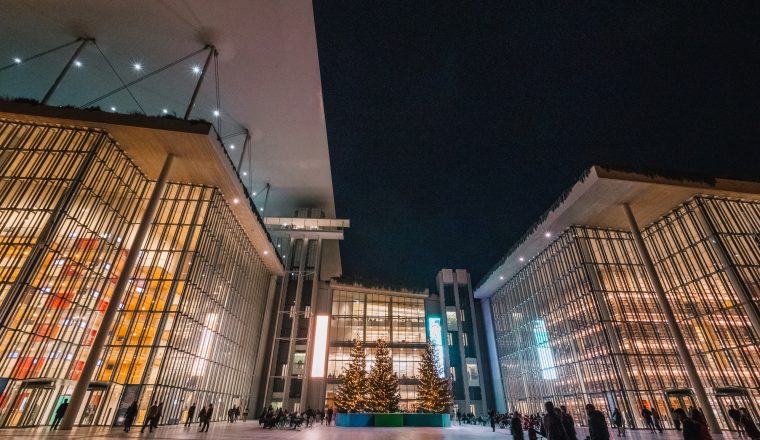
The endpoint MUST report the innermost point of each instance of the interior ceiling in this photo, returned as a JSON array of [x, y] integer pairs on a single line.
[[268, 75]]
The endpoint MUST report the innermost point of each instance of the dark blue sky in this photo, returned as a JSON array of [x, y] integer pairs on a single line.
[[453, 125]]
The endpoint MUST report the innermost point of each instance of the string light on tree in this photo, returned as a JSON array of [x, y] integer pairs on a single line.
[[383, 396], [434, 391], [351, 394]]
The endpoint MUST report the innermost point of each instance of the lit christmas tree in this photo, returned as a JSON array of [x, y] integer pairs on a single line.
[[383, 395], [433, 391], [351, 394]]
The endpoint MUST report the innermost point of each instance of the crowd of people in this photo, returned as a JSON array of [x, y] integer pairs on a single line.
[[284, 419], [556, 423]]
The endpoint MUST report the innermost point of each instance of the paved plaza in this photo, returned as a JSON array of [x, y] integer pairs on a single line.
[[251, 430]]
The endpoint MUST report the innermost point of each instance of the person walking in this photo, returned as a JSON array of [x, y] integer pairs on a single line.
[[516, 427], [157, 416], [657, 419], [493, 418], [568, 423], [648, 419], [190, 415], [59, 414], [736, 417], [330, 413], [129, 417], [202, 418], [552, 427], [148, 422], [676, 419], [750, 429], [597, 424], [245, 414], [619, 422]]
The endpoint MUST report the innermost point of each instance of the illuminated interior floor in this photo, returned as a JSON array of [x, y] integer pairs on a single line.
[[249, 430]]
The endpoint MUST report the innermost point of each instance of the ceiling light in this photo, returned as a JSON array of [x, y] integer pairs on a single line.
[[232, 147], [17, 60], [261, 209], [216, 112], [113, 109], [266, 252], [245, 173], [254, 193], [501, 278], [77, 63], [196, 70], [522, 258], [235, 200], [165, 111], [547, 234], [137, 66]]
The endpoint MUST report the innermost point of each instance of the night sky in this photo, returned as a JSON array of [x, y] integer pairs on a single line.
[[453, 125]]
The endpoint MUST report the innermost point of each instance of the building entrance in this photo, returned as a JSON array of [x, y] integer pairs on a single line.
[[32, 405], [738, 398], [682, 398]]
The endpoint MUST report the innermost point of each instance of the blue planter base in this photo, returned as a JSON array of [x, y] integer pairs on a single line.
[[393, 420]]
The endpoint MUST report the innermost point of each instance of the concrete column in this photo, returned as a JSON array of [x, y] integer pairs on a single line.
[[675, 330], [460, 338], [312, 324], [610, 333], [80, 389], [500, 397], [294, 326], [279, 310], [476, 341], [733, 277], [265, 339]]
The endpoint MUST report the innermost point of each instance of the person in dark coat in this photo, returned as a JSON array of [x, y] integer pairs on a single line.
[[619, 422], [330, 413], [129, 417], [597, 424], [202, 418], [568, 423], [676, 419], [749, 425], [148, 422], [59, 414], [648, 419], [736, 417], [552, 427], [157, 416], [516, 427], [190, 415]]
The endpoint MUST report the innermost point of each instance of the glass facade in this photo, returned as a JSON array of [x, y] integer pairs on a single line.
[[69, 203], [368, 316], [580, 322]]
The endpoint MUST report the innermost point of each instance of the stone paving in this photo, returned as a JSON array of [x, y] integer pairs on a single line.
[[251, 430]]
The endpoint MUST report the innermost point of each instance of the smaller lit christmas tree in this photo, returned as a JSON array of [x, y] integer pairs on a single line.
[[434, 391], [383, 394], [351, 394]]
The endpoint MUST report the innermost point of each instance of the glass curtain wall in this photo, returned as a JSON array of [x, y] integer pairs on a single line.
[[400, 320], [183, 337], [186, 331], [69, 200], [706, 303]]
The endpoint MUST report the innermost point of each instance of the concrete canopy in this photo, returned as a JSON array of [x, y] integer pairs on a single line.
[[268, 75], [596, 201]]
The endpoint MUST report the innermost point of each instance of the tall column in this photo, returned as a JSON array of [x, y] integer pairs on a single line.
[[265, 339], [460, 338], [500, 397], [118, 292], [280, 314], [733, 277], [294, 327], [675, 330], [476, 341], [312, 323]]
